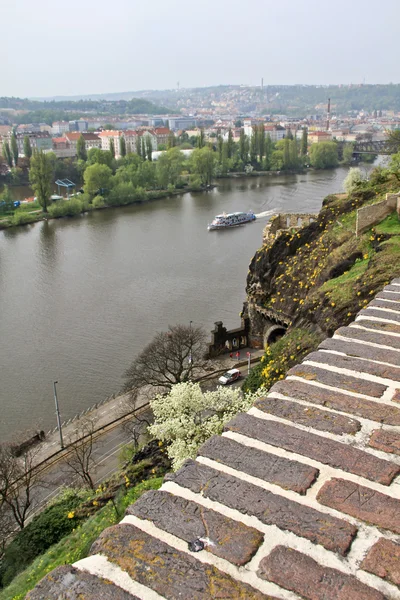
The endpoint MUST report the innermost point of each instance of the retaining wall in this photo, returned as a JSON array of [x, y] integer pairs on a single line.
[[367, 216]]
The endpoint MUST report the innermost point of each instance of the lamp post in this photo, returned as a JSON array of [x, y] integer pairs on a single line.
[[58, 415], [190, 351], [248, 362]]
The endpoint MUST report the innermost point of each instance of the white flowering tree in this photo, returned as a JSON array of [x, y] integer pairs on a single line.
[[187, 417], [353, 179]]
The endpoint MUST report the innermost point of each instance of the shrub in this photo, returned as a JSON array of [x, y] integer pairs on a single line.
[[23, 218], [98, 202], [42, 532], [66, 208], [195, 182]]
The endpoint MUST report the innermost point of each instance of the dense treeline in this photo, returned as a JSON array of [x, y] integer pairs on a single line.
[[49, 111]]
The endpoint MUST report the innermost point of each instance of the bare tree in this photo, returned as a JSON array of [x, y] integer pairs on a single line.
[[172, 357], [79, 458], [18, 478]]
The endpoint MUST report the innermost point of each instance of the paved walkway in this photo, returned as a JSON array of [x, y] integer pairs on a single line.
[[298, 498]]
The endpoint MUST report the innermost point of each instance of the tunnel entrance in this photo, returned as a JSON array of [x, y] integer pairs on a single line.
[[273, 334]]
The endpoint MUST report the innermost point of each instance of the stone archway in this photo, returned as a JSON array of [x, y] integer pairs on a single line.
[[273, 334]]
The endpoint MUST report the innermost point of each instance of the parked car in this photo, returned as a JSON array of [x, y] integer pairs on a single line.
[[230, 376]]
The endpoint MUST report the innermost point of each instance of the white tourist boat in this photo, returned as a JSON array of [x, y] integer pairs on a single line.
[[231, 220]]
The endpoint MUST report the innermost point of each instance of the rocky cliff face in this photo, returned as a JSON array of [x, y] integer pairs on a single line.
[[318, 276]]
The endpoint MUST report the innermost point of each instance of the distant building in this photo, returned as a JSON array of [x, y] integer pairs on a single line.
[[59, 128], [157, 121], [175, 123], [275, 132], [162, 134], [106, 137], [79, 125], [60, 143], [316, 137], [91, 139], [39, 140]]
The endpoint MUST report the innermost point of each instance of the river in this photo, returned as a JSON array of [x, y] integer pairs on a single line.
[[79, 298]]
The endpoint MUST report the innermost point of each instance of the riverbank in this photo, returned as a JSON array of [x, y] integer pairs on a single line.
[[26, 217], [242, 175]]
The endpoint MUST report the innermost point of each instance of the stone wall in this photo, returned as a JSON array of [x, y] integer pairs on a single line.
[[285, 221], [298, 498], [367, 216]]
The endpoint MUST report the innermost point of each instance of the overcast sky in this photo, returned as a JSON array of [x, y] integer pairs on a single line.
[[52, 47]]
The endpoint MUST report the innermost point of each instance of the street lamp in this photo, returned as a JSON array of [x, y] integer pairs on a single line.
[[248, 362], [58, 415], [190, 352]]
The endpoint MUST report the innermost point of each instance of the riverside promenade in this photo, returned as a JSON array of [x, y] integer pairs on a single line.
[[298, 498], [111, 413]]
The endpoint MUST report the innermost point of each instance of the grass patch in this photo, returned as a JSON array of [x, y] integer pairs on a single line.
[[77, 544], [390, 225]]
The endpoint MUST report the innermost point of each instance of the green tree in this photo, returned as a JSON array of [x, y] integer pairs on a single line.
[[40, 176], [27, 147], [138, 145], [231, 143], [348, 154], [200, 139], [269, 147], [97, 179], [122, 146], [169, 167], [289, 134], [112, 147], [81, 148], [149, 148], [6, 200], [254, 146], [7, 154], [394, 165], [304, 142], [220, 147], [203, 164], [286, 153], [276, 163], [171, 140], [14, 149], [393, 141], [294, 154], [261, 141], [143, 148], [101, 157], [324, 155], [243, 147]]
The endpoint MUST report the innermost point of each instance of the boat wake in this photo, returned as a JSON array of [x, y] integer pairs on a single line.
[[266, 213]]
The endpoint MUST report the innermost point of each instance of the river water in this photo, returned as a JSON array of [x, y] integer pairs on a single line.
[[79, 298]]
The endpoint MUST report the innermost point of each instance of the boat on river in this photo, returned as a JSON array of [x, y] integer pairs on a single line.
[[226, 220]]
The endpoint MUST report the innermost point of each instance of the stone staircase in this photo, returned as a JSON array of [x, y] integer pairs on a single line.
[[299, 498]]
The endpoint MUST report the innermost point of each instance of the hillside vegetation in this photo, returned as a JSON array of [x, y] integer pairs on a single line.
[[322, 275]]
